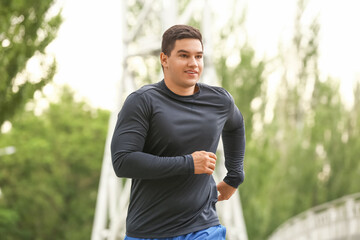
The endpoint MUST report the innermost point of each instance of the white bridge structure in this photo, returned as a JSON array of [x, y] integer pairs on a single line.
[[335, 220], [142, 41]]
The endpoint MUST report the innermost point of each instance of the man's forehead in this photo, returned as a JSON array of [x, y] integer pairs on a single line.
[[185, 51], [188, 45]]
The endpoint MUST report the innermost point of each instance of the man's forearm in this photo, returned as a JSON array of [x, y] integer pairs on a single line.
[[147, 166]]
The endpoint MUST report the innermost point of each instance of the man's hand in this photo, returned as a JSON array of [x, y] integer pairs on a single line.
[[225, 190], [204, 162]]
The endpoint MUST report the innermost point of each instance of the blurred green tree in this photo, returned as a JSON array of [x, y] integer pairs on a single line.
[[307, 154], [26, 29], [297, 164], [311, 132], [49, 186]]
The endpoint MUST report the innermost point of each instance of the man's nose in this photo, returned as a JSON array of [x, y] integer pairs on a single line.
[[192, 61]]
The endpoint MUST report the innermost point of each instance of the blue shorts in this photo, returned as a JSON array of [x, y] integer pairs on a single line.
[[213, 233]]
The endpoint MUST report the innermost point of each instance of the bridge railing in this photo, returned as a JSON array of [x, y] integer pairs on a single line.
[[338, 219]]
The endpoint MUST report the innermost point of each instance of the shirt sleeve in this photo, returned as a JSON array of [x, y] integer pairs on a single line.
[[233, 137], [128, 141]]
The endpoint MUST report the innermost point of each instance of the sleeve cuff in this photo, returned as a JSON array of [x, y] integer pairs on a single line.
[[190, 162], [234, 181]]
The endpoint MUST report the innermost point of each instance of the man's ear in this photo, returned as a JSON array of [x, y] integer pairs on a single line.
[[163, 59]]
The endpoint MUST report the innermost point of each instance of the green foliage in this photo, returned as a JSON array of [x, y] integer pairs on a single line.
[[244, 82], [26, 29], [308, 153], [50, 184]]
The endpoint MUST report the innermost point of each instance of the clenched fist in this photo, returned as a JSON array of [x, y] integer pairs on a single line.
[[204, 162]]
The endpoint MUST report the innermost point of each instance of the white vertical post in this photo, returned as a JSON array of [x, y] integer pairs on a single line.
[[209, 75], [230, 211], [169, 13], [106, 197]]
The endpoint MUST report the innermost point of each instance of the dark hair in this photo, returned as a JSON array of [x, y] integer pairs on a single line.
[[178, 32]]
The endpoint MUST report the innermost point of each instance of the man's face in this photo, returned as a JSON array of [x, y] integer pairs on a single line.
[[184, 66]]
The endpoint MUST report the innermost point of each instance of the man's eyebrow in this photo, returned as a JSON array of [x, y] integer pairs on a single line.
[[184, 51]]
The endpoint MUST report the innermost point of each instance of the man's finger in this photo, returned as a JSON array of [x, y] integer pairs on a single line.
[[220, 198], [212, 155], [209, 171], [212, 166]]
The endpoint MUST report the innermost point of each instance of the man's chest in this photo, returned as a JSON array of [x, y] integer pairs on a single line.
[[176, 124]]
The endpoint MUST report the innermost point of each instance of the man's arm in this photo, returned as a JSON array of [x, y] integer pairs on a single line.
[[128, 141], [233, 136]]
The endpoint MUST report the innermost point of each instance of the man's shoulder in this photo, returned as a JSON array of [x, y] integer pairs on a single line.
[[216, 90], [142, 95], [147, 88]]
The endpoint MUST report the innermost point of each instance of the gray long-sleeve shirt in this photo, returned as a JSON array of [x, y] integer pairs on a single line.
[[155, 134]]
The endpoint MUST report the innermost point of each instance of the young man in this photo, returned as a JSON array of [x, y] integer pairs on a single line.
[[165, 139]]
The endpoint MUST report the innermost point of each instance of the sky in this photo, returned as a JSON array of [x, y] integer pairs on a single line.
[[88, 49]]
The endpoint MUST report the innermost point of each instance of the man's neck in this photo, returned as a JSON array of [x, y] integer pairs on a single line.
[[181, 91]]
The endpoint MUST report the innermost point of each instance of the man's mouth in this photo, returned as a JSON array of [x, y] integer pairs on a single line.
[[191, 72]]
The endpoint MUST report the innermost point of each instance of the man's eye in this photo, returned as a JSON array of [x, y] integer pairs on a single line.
[[199, 57], [183, 55]]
